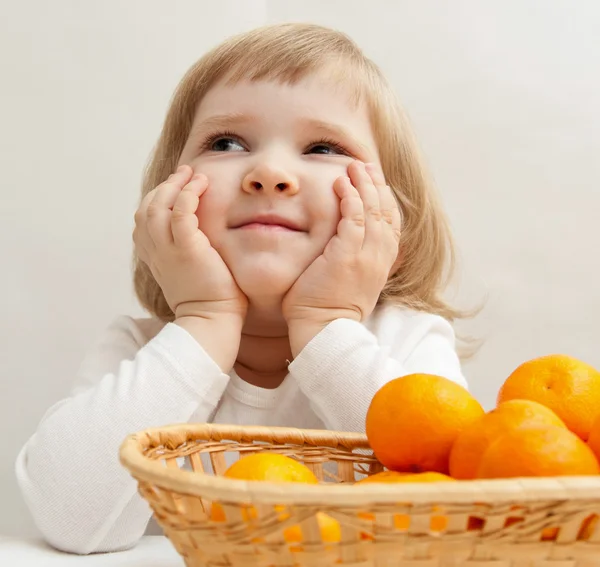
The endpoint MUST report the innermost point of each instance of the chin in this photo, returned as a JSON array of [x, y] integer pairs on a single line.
[[262, 281]]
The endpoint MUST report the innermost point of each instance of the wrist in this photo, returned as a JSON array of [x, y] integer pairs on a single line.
[[211, 311], [321, 318], [219, 336], [223, 320], [302, 331]]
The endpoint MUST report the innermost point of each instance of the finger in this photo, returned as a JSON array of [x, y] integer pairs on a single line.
[[396, 224], [351, 228], [140, 235], [140, 245], [158, 212], [180, 177], [376, 175], [370, 198], [390, 210], [167, 192], [184, 222]]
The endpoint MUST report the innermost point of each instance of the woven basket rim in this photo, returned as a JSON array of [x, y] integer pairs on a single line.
[[581, 488]]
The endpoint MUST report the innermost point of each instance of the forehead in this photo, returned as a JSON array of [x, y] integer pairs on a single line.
[[317, 96]]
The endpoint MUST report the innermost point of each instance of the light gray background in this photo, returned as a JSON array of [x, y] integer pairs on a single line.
[[504, 96]]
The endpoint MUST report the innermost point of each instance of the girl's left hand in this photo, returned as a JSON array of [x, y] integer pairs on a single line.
[[346, 280]]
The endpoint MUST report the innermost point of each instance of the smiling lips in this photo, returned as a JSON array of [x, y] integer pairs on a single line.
[[256, 226], [270, 223]]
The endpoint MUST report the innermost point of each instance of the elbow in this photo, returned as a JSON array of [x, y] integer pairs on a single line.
[[67, 542], [67, 535], [81, 545], [70, 534], [62, 523]]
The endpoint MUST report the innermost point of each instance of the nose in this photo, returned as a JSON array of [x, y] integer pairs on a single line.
[[268, 178]]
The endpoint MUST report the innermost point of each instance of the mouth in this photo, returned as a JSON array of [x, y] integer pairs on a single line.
[[257, 226], [269, 223]]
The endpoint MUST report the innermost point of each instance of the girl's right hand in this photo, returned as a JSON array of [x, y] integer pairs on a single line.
[[194, 278]]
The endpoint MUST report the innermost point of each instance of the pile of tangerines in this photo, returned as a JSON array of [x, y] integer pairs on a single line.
[[426, 428], [546, 423]]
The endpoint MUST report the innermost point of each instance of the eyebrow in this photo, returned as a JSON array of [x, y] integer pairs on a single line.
[[224, 121], [334, 131]]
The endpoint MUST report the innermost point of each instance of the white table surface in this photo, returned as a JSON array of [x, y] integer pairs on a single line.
[[151, 551]]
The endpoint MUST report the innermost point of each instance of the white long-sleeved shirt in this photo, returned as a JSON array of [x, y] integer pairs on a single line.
[[144, 373]]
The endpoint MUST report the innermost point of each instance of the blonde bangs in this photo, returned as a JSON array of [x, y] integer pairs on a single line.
[[288, 53], [285, 53]]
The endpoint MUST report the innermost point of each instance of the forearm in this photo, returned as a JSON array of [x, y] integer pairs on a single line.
[[219, 336], [81, 498], [342, 366], [339, 374], [302, 331], [301, 334]]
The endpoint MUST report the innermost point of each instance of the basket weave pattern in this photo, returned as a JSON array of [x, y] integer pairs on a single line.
[[546, 522]]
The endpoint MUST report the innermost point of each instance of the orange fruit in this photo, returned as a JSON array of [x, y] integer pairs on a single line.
[[472, 442], [264, 466], [272, 467], [383, 476], [588, 527], [549, 534], [413, 421], [594, 437], [329, 528], [537, 451], [401, 521], [569, 387], [393, 476], [277, 468]]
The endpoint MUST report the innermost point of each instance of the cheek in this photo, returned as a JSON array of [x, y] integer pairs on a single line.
[[212, 212], [223, 179], [325, 212]]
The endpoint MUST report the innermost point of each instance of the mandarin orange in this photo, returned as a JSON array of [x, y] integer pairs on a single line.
[[413, 421], [263, 467], [401, 521], [594, 437], [569, 387], [472, 442], [537, 451]]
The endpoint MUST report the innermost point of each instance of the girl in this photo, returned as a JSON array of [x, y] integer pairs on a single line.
[[270, 253]]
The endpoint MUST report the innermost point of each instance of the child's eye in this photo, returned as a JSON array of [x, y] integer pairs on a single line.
[[222, 142], [226, 145], [326, 147]]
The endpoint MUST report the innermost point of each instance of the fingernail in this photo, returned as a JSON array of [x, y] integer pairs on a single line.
[[180, 168]]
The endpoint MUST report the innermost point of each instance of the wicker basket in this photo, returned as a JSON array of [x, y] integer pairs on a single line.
[[549, 522]]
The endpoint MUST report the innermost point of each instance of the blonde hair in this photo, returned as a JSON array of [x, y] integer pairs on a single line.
[[287, 53]]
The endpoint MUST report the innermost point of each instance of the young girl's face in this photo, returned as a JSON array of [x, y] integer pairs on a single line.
[[271, 153]]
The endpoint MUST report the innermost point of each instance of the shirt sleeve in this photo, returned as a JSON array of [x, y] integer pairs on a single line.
[[344, 365], [81, 498]]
